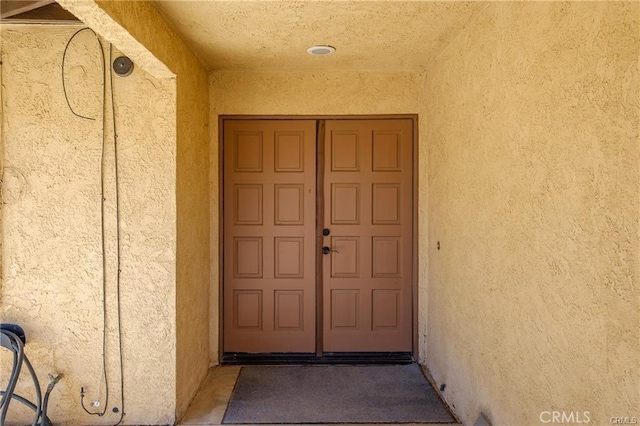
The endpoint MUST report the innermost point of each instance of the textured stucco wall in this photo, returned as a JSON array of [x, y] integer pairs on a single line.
[[533, 149], [1, 158], [142, 33], [307, 93], [51, 242]]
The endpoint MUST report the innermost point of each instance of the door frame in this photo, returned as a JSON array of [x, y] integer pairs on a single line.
[[321, 119]]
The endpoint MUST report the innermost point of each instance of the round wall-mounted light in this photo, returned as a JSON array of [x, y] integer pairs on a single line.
[[321, 50], [122, 66]]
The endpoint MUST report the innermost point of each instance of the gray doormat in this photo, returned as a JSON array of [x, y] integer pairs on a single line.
[[334, 394]]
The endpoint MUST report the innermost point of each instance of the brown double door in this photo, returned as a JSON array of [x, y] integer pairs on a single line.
[[317, 236]]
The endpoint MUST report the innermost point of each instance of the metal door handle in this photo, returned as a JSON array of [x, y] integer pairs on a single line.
[[327, 250]]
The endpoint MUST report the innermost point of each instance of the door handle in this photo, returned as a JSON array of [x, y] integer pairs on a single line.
[[327, 250]]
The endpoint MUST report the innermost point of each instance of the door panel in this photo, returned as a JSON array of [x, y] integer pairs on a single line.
[[269, 235], [367, 276], [271, 261]]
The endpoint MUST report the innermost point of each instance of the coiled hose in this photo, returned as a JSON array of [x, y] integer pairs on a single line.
[[12, 337]]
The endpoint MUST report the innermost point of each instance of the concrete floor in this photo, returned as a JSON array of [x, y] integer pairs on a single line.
[[210, 404]]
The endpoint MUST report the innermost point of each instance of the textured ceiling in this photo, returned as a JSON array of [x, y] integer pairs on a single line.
[[274, 35]]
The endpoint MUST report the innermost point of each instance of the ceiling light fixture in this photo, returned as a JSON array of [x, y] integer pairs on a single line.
[[321, 50]]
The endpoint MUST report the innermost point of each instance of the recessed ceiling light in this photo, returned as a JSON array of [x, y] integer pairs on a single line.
[[321, 50]]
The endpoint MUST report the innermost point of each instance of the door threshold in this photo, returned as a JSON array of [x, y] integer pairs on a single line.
[[243, 358]]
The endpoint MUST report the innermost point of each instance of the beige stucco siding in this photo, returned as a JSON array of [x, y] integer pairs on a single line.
[[1, 159], [301, 93], [532, 135], [141, 32], [528, 178], [52, 262]]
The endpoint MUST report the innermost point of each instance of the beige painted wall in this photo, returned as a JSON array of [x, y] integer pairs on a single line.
[[142, 33], [51, 242], [305, 93], [1, 159], [534, 197]]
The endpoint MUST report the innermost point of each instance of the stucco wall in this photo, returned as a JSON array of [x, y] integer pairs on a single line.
[[1, 158], [51, 242], [141, 32], [533, 150], [306, 93]]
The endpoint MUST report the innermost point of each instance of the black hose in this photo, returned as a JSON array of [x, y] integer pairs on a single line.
[[25, 401], [36, 383], [13, 342], [13, 368], [43, 415], [18, 358]]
